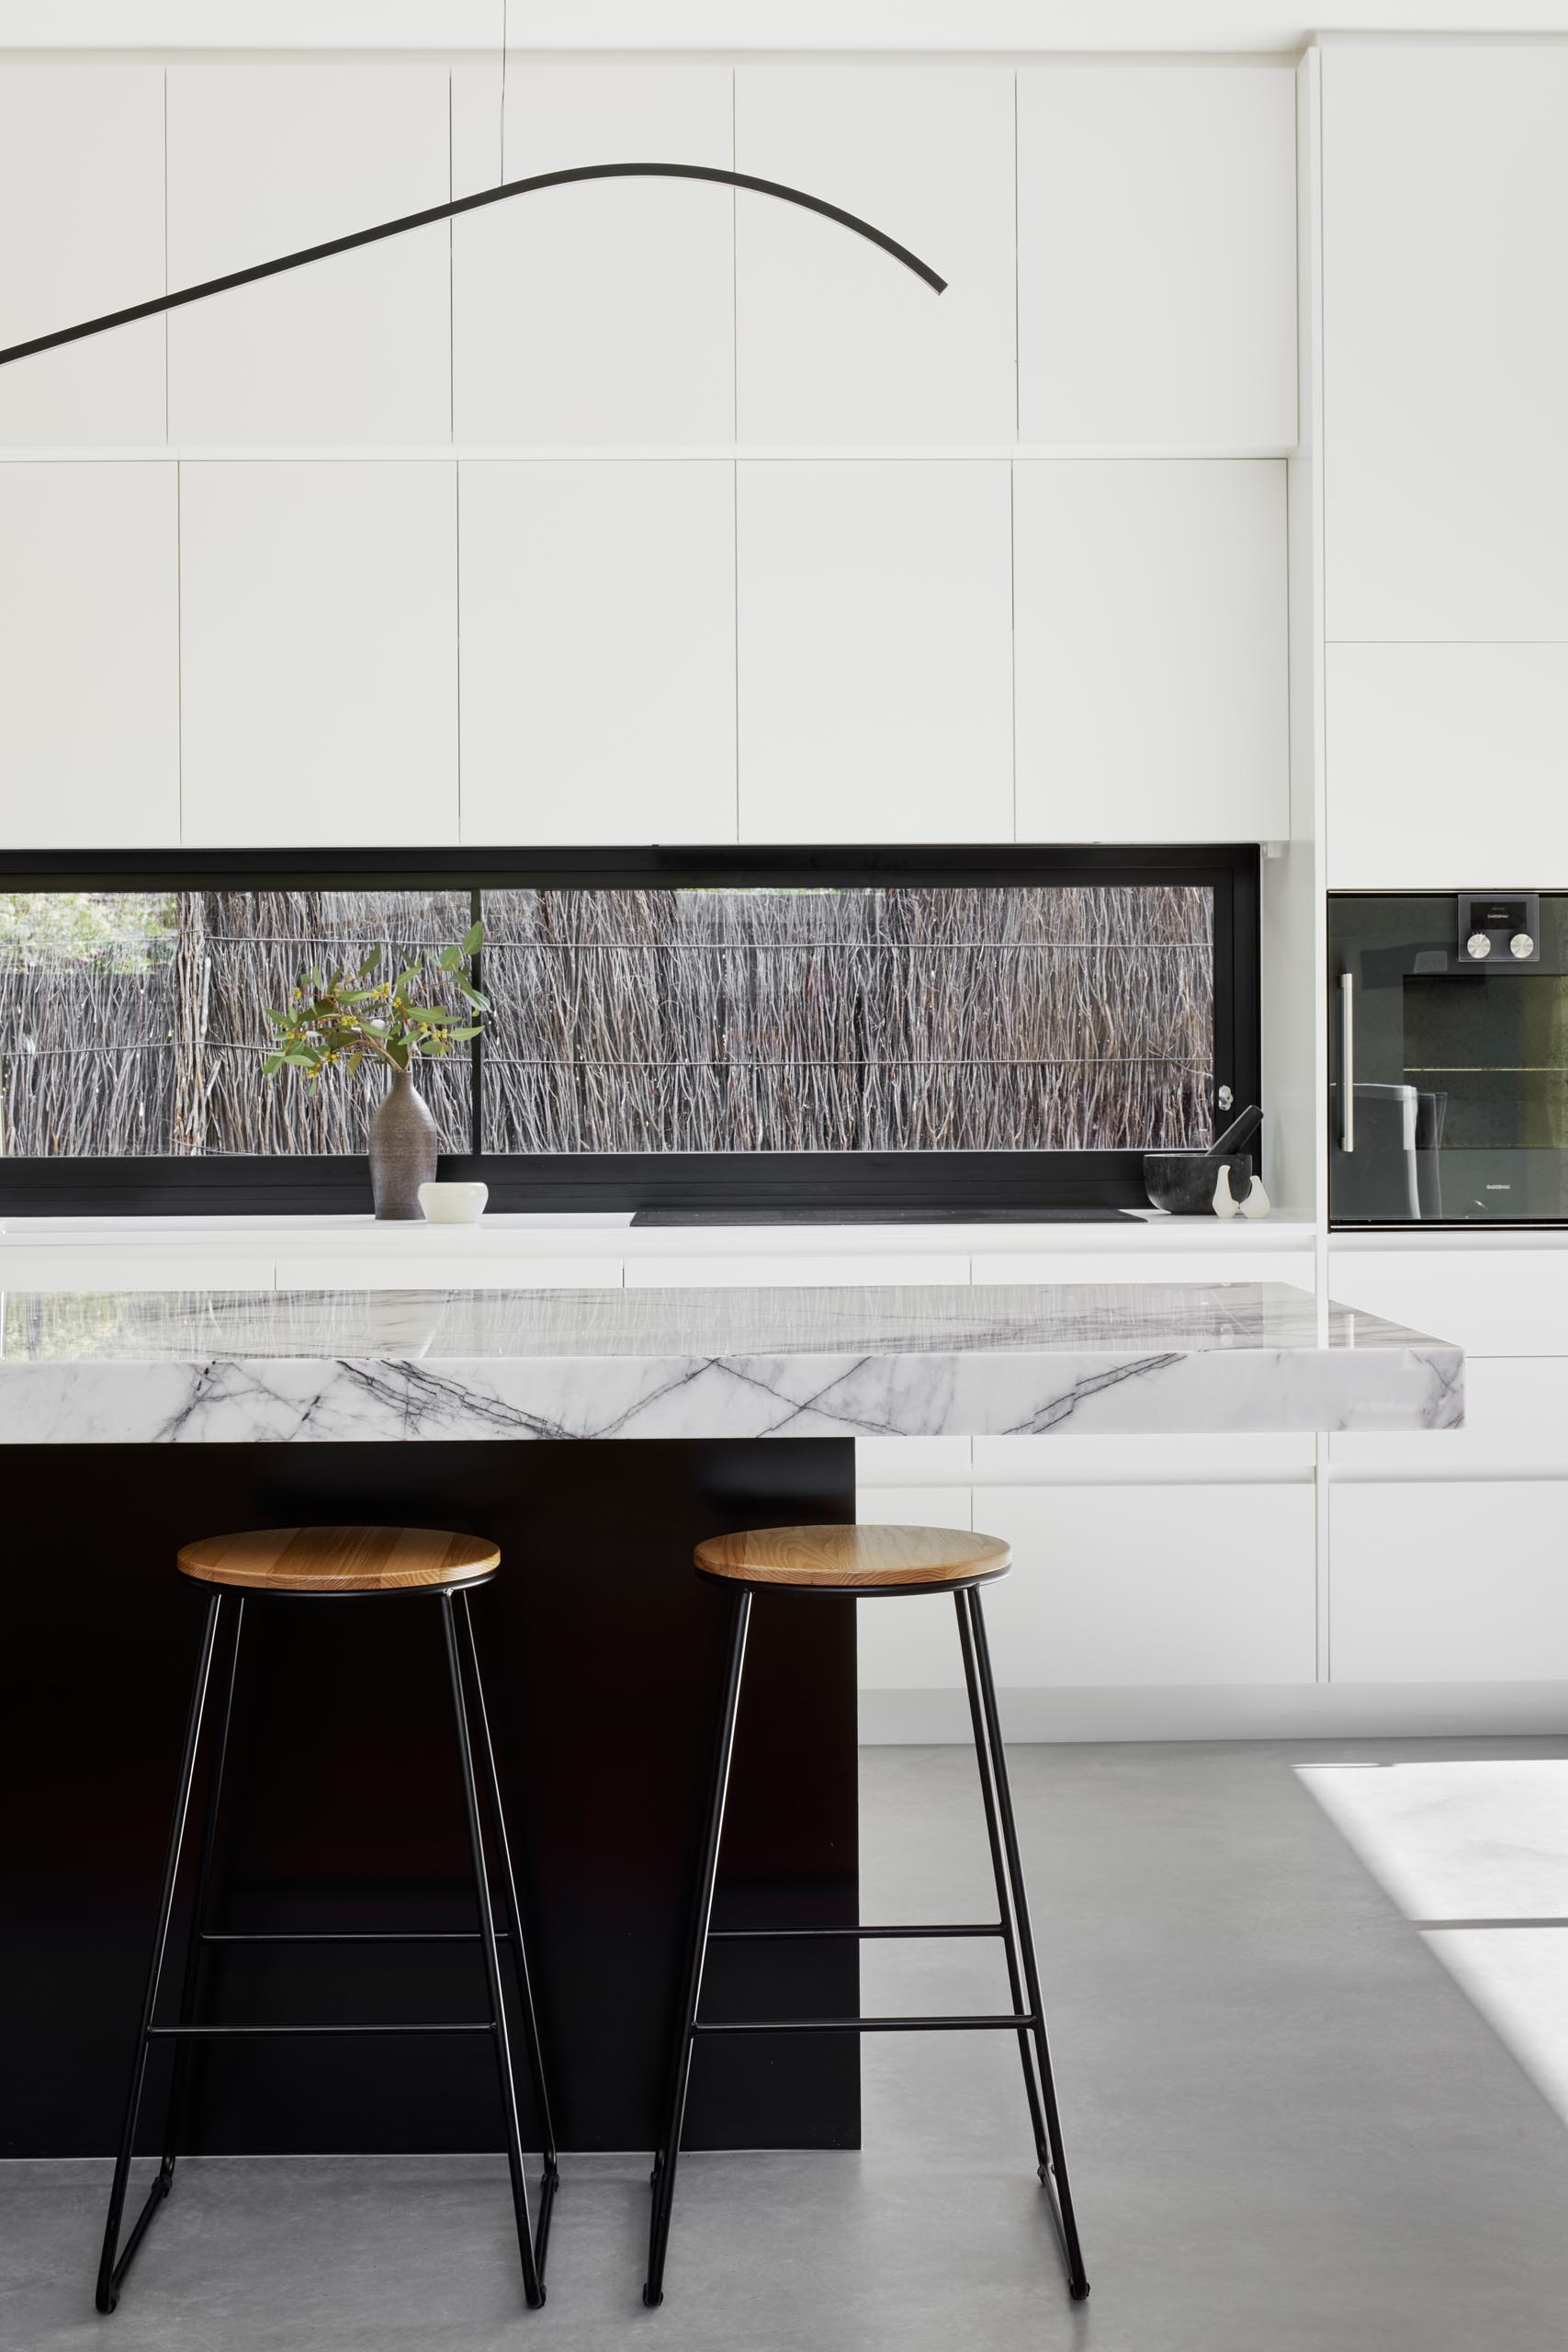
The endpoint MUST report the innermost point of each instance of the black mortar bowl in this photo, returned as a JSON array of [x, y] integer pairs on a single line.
[[1183, 1181]]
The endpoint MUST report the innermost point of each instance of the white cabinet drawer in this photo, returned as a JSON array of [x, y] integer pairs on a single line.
[[1152, 1586], [1493, 1302], [925, 1462], [24, 1269], [910, 1643], [1449, 1582], [717, 1274], [418, 1269], [1203, 1267], [1516, 1417], [1243, 1456]]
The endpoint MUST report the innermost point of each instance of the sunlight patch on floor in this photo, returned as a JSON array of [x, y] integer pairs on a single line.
[[1474, 1852]]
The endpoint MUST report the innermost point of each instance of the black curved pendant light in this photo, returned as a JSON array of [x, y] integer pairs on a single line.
[[473, 203]]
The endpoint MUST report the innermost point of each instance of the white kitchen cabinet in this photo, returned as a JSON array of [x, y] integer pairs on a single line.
[[597, 608], [263, 159], [874, 651], [1448, 1581], [835, 340], [319, 652], [1516, 1418], [1152, 679], [1445, 236], [89, 656], [1491, 1299], [1445, 766], [1153, 1585], [910, 1643], [82, 195], [1156, 254], [839, 1270], [603, 311], [1187, 1458]]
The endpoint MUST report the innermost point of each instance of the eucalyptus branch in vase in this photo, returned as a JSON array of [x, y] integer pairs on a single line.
[[349, 1017]]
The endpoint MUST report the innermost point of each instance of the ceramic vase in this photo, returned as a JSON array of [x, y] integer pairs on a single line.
[[403, 1150]]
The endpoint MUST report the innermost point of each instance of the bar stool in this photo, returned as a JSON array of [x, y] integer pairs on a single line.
[[319, 1563], [864, 1564]]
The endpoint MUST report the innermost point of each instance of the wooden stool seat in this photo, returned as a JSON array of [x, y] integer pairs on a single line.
[[339, 1559], [856, 1559]]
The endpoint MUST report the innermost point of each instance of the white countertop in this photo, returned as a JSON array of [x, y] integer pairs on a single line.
[[993, 1359]]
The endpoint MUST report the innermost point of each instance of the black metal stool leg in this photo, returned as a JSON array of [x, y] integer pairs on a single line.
[[998, 1871], [112, 2271], [551, 2176], [1078, 2280], [533, 2288], [176, 2124], [702, 1912]]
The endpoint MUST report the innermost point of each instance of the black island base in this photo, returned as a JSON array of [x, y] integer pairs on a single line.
[[603, 1656]]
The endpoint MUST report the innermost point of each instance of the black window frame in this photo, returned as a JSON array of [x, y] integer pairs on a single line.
[[319, 1184]]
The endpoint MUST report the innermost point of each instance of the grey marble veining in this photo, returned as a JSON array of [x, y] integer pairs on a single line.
[[189, 1366]]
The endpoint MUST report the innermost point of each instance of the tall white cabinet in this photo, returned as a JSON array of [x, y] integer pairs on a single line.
[[1445, 377]]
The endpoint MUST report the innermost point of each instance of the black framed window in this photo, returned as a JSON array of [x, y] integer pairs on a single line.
[[701, 1027]]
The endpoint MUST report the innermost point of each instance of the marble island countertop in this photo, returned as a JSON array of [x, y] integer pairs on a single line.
[[995, 1360]]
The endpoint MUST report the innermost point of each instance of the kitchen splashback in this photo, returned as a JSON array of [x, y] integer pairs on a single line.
[[880, 1019]]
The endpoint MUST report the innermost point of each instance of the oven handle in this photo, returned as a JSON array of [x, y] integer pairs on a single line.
[[1346, 1063]]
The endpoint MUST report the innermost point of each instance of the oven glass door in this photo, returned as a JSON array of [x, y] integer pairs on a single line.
[[1447, 1080]]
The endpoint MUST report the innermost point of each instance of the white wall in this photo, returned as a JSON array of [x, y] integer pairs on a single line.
[[755, 537]]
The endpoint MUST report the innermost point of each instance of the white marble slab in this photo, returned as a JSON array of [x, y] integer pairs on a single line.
[[189, 1366]]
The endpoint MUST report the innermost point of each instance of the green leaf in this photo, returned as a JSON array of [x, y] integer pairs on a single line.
[[405, 980], [399, 1052], [474, 996], [271, 1065], [473, 939], [432, 1013], [358, 996], [450, 958], [278, 1019], [300, 1058], [355, 1059], [370, 961], [455, 1033]]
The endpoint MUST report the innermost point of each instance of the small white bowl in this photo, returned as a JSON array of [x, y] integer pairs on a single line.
[[453, 1203]]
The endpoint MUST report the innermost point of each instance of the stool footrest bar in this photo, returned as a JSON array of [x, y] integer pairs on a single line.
[[349, 1936], [1009, 2024], [257, 2032], [775, 1934]]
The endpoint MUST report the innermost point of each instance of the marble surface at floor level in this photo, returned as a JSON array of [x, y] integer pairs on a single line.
[[177, 1367]]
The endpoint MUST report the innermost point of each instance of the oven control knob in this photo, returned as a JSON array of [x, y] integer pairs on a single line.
[[1478, 945], [1521, 944]]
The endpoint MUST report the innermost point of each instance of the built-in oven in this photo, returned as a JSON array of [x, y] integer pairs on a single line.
[[1448, 1058]]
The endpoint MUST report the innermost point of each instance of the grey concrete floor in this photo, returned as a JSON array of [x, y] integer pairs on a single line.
[[1288, 2126]]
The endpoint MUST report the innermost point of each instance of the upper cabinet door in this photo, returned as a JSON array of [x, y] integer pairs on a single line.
[[1445, 236], [1157, 256], [1152, 691], [82, 197], [598, 638], [318, 653], [604, 310], [835, 340], [89, 656], [1446, 766], [874, 651], [264, 159]]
